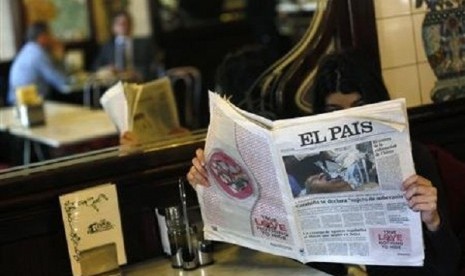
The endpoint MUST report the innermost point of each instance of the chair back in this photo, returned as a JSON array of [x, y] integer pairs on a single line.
[[187, 86]]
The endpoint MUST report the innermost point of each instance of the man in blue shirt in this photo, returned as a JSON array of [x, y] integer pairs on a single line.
[[35, 64]]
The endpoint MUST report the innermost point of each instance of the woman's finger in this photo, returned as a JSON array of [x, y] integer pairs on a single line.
[[416, 190], [422, 203]]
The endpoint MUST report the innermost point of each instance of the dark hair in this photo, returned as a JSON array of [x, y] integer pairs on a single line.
[[347, 72], [239, 69], [35, 30]]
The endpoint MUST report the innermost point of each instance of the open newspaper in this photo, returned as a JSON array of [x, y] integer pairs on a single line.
[[323, 188], [148, 110]]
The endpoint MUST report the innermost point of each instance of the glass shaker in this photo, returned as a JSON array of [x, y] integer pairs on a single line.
[[176, 235]]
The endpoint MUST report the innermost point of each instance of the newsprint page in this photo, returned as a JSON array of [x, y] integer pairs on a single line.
[[149, 109], [323, 188]]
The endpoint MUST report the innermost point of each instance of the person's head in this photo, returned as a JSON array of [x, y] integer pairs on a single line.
[[40, 32], [239, 69], [122, 24], [345, 80]]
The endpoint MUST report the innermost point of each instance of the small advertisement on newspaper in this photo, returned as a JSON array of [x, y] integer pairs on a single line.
[[320, 188]]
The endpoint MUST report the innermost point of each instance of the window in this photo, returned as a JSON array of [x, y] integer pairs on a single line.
[[7, 35]]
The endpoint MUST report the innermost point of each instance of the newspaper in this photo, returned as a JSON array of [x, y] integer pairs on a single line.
[[322, 188], [149, 110]]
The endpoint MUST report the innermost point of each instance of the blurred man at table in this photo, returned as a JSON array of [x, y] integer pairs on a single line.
[[127, 57], [38, 63]]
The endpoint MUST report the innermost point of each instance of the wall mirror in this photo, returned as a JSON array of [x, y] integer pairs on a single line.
[[185, 36]]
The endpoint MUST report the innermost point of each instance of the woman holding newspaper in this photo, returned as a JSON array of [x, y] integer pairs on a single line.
[[343, 81]]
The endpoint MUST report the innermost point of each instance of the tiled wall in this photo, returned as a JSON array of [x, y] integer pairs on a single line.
[[405, 67]]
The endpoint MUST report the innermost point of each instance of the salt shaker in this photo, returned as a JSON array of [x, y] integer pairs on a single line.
[[205, 252]]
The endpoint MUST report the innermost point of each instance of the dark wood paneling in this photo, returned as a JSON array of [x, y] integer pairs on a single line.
[[204, 47], [440, 124], [32, 239], [4, 75], [362, 24]]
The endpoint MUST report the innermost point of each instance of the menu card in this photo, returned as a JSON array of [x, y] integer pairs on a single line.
[[92, 221]]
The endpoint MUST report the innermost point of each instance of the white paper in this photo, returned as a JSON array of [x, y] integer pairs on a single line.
[[91, 219], [266, 190], [115, 105]]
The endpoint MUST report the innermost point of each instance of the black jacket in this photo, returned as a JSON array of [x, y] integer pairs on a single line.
[[143, 57]]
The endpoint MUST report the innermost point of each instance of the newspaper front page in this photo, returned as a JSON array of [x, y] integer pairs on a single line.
[[323, 188]]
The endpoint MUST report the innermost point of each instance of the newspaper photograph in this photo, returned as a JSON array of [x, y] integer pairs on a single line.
[[323, 188], [348, 168]]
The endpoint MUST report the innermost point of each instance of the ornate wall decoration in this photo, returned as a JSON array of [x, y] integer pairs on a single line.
[[443, 33], [69, 19]]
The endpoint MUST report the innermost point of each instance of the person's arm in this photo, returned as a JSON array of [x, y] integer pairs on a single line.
[[105, 56], [424, 194], [52, 73], [442, 251]]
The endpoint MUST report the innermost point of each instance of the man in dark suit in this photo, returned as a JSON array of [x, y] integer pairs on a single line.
[[133, 58]]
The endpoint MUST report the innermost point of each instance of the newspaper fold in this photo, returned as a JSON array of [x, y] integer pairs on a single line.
[[322, 188]]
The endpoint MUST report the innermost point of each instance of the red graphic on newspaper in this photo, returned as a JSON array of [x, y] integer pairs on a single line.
[[271, 227], [230, 176], [392, 240]]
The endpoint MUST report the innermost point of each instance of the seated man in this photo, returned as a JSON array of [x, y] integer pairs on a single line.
[[36, 63], [127, 57]]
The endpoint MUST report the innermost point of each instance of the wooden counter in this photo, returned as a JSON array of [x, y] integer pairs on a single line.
[[32, 238]]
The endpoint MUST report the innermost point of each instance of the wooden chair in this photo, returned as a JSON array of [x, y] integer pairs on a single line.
[[187, 85]]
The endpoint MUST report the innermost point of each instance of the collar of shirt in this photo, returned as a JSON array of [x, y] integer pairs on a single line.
[[122, 39]]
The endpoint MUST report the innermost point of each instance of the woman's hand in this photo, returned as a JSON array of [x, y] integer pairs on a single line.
[[129, 143], [129, 138], [197, 174], [422, 197]]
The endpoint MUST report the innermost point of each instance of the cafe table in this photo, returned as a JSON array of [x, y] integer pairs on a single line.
[[65, 124], [230, 260]]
